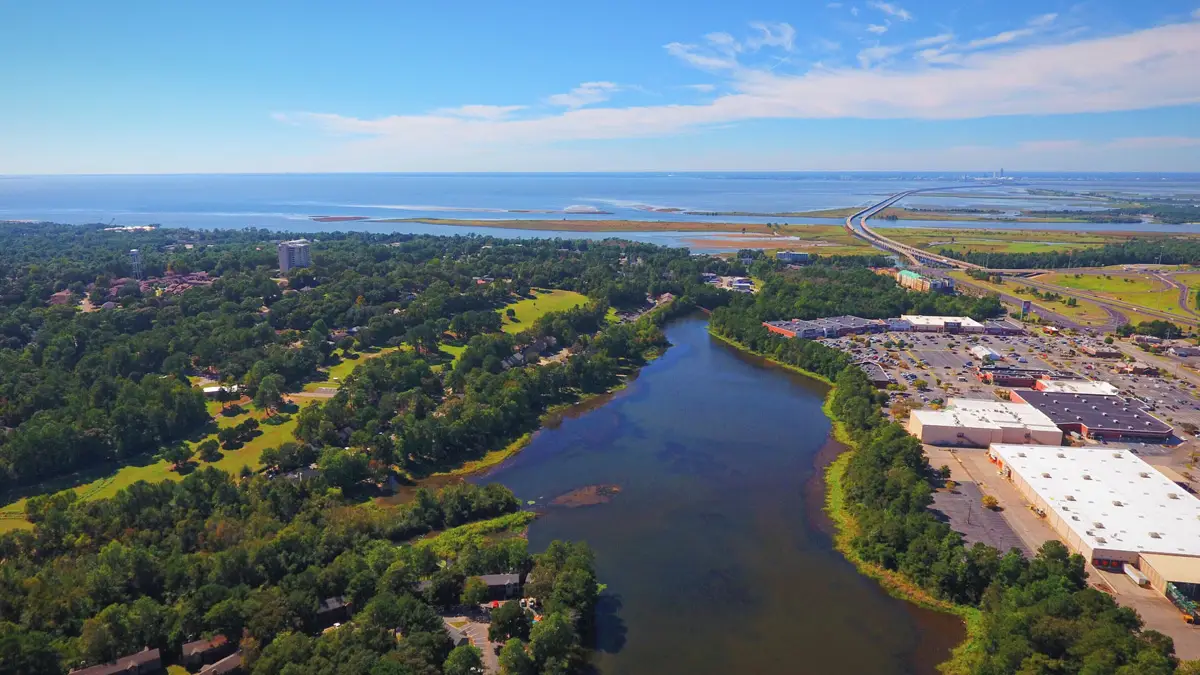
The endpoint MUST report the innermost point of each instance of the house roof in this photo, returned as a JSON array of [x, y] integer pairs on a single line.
[[200, 646], [331, 604], [500, 579], [123, 664], [228, 664]]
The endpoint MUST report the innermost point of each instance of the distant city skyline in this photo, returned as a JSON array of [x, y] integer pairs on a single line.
[[222, 87]]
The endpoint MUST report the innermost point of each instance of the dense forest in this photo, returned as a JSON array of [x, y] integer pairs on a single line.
[[826, 290], [253, 559], [1167, 250], [1039, 615], [1175, 213], [111, 383]]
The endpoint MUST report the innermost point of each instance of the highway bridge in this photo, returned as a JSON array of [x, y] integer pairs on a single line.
[[916, 256]]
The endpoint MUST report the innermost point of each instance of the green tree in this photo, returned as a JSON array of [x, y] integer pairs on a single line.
[[553, 639], [475, 592], [509, 621], [209, 450], [178, 454], [463, 660], [515, 659], [269, 395], [343, 468]]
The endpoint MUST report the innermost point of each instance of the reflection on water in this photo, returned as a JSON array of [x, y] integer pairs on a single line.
[[715, 551]]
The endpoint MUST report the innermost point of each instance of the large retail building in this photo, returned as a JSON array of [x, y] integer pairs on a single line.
[[1112, 508], [972, 423]]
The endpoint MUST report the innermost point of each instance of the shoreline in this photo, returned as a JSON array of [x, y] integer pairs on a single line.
[[962, 657]]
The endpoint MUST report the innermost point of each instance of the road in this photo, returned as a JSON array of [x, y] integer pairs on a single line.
[[1114, 320], [922, 259]]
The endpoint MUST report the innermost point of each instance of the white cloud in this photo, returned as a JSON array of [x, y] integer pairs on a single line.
[[585, 94], [1149, 68], [1154, 142], [892, 10], [940, 39], [1051, 145], [695, 56], [705, 88], [873, 55], [876, 29], [770, 34], [827, 45], [483, 112], [1033, 26], [854, 11]]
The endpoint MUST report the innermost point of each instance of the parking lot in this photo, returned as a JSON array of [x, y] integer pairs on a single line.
[[948, 368]]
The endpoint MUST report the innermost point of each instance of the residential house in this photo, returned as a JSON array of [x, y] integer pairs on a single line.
[[145, 662], [203, 652]]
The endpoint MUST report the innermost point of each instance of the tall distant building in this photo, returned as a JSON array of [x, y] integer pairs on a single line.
[[293, 254]]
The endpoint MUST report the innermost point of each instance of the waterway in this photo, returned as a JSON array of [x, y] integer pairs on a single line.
[[715, 551]]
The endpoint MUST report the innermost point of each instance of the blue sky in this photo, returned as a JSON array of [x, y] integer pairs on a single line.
[[179, 87]]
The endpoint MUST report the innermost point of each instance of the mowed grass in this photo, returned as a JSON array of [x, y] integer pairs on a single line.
[[155, 471], [334, 375], [1139, 289], [1115, 285], [1083, 312], [543, 302]]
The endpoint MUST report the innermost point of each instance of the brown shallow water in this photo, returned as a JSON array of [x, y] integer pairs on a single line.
[[715, 551]]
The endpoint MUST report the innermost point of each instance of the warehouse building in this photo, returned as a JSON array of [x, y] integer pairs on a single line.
[[973, 423], [1115, 510], [1101, 351], [1097, 416], [1093, 387], [943, 324]]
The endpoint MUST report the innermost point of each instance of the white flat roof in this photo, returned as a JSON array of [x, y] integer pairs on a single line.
[[1085, 485], [970, 413], [1079, 387], [919, 320]]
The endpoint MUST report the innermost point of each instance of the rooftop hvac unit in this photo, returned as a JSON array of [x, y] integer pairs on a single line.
[[1143, 474], [1070, 498], [1061, 456], [1155, 535], [1045, 475], [1101, 540], [1172, 495], [1086, 477], [1098, 525], [1117, 502]]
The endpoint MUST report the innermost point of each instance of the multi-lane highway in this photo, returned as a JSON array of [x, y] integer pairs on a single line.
[[857, 225], [915, 256]]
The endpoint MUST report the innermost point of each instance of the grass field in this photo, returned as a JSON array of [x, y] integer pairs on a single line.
[[1142, 290], [337, 373], [996, 241], [543, 302], [154, 471], [1084, 312]]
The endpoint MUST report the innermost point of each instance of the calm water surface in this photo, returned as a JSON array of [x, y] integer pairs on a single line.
[[715, 552]]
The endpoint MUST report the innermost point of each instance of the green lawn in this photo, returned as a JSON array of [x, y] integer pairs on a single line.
[[1139, 289], [529, 310], [231, 461], [1116, 285], [1083, 312], [334, 375]]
